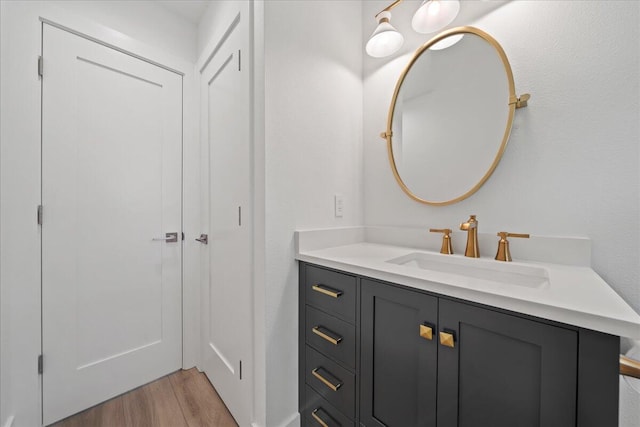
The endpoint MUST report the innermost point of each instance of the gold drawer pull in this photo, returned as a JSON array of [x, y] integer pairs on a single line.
[[320, 421], [325, 381], [426, 332], [335, 341], [327, 291], [448, 338]]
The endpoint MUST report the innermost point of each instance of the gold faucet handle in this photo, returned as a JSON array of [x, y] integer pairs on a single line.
[[446, 248], [503, 253], [505, 234], [446, 231]]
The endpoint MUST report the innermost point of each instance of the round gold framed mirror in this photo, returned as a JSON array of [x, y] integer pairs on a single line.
[[451, 115]]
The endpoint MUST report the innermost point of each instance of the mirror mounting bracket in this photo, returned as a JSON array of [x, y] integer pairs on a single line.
[[520, 101], [384, 135]]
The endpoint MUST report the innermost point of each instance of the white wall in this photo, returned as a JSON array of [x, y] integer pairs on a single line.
[[143, 20], [141, 27], [214, 22], [313, 145], [19, 194], [572, 166]]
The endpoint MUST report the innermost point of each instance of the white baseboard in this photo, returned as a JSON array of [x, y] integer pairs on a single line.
[[293, 422], [9, 421]]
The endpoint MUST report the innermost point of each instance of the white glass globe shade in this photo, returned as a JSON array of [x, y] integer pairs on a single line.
[[385, 40], [434, 15]]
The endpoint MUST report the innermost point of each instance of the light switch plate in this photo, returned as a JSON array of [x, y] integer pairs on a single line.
[[339, 205]]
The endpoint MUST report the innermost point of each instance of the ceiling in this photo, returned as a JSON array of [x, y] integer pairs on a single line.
[[191, 10]]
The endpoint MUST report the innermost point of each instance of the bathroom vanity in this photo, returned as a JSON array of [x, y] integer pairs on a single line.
[[393, 333], [393, 336]]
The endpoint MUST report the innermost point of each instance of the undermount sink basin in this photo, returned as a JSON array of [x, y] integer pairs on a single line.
[[494, 271]]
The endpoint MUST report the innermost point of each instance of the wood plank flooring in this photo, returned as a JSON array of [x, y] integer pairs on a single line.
[[182, 399]]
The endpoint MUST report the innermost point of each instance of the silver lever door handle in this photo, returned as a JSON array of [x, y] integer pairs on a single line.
[[169, 238], [203, 239]]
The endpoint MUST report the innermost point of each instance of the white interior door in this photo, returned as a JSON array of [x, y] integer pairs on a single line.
[[111, 183], [227, 323]]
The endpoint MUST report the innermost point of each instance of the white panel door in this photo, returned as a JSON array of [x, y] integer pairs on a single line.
[[111, 184], [227, 348]]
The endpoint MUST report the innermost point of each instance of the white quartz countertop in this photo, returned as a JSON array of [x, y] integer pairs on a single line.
[[574, 295]]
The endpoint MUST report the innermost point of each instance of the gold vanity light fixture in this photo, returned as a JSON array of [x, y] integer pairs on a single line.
[[431, 16], [385, 39]]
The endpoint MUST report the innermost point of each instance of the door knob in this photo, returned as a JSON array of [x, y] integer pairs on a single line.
[[204, 238], [169, 238]]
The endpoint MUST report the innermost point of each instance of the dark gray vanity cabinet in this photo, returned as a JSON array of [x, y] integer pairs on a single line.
[[499, 369], [399, 366], [504, 371]]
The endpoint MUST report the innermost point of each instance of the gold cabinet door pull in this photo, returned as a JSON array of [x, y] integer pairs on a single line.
[[328, 335], [316, 416], [426, 332], [629, 367], [333, 386], [448, 338], [327, 291]]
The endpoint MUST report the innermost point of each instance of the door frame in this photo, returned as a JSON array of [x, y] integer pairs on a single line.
[[190, 147]]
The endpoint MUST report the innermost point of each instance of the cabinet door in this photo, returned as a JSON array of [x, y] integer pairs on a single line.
[[504, 370], [398, 365]]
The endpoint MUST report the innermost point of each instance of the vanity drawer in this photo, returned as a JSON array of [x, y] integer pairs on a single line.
[[331, 381], [332, 292], [317, 408], [331, 336]]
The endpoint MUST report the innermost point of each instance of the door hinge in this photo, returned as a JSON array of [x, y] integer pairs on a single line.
[[239, 60], [239, 216], [40, 66], [183, 235], [40, 364], [240, 369], [39, 215]]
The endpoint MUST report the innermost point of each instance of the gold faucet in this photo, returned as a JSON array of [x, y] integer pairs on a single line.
[[471, 227]]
